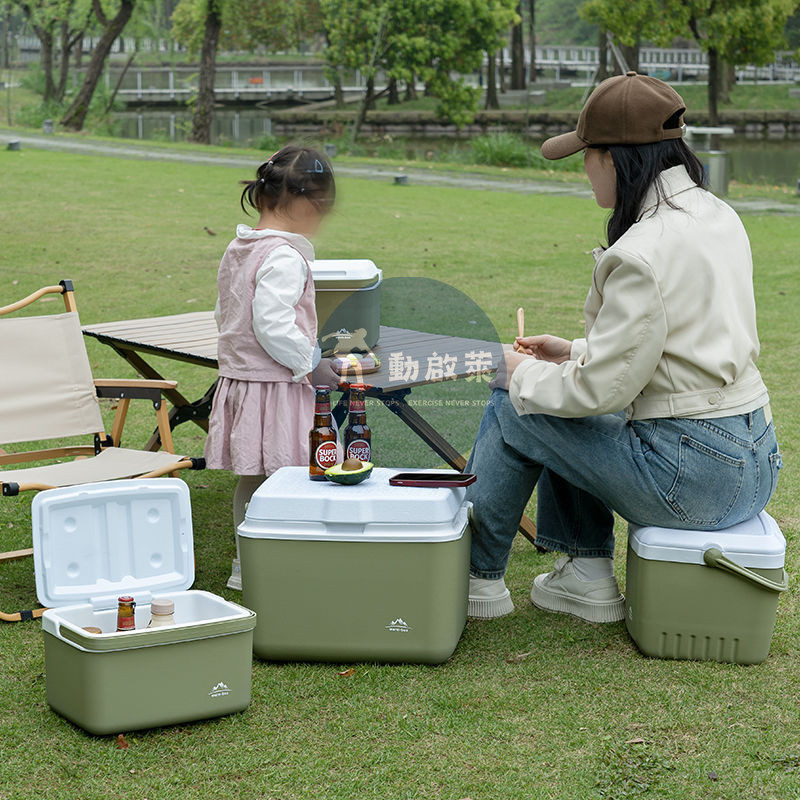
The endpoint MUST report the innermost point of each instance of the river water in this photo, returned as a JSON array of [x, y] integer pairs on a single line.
[[753, 160]]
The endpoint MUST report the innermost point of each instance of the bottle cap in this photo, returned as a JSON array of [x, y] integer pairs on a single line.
[[162, 605], [125, 599]]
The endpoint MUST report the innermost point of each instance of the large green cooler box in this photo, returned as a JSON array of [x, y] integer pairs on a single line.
[[348, 301], [96, 542], [707, 595], [370, 572]]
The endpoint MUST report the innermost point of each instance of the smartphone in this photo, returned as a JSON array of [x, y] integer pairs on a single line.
[[434, 480]]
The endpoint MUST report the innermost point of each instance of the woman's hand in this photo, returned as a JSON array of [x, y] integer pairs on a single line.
[[544, 347], [506, 368]]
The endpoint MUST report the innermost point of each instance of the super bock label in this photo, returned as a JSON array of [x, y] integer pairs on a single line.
[[327, 455], [358, 448]]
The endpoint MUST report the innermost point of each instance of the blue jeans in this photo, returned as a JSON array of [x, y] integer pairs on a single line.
[[696, 474]]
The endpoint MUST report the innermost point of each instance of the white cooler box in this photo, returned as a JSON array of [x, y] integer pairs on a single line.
[[96, 542], [370, 572]]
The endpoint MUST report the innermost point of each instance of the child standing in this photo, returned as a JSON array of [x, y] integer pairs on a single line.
[[268, 355]]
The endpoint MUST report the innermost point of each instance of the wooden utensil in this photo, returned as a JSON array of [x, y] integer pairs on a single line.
[[521, 322]]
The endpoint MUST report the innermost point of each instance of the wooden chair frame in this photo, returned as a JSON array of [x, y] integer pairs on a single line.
[[123, 390]]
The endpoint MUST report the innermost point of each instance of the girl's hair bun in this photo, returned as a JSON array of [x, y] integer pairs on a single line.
[[289, 173]]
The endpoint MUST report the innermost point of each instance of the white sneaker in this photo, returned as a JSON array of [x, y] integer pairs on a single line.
[[488, 599], [235, 580], [561, 590]]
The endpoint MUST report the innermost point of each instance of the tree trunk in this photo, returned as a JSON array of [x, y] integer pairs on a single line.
[[713, 87], [411, 88], [204, 110], [75, 115], [631, 54], [367, 102], [394, 94], [5, 42], [338, 92], [532, 39], [727, 80], [602, 68], [502, 67], [491, 82], [46, 38], [517, 53]]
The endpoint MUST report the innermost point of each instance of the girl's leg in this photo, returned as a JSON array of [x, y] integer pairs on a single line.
[[245, 488]]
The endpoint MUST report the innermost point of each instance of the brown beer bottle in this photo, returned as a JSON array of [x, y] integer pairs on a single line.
[[323, 447], [357, 435], [126, 619]]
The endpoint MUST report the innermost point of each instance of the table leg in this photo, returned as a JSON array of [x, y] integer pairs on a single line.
[[183, 410], [396, 403]]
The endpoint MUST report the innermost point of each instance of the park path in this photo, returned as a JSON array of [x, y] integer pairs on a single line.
[[416, 175]]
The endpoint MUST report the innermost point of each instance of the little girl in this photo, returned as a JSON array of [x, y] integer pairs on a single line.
[[268, 355]]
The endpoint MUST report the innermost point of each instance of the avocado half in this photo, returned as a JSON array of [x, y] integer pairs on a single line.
[[349, 473]]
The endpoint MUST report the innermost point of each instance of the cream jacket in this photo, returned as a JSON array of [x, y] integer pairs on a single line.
[[670, 321]]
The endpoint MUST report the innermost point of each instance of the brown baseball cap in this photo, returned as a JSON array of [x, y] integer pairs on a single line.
[[625, 109]]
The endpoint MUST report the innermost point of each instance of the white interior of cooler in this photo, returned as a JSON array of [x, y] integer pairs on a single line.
[[191, 607], [102, 540]]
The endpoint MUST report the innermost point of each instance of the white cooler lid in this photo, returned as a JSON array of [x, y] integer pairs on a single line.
[[94, 542], [289, 505], [758, 543], [345, 273]]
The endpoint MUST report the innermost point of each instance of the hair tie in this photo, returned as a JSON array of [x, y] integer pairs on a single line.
[[261, 180]]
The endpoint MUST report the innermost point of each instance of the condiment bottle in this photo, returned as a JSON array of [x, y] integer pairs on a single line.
[[162, 612], [126, 619]]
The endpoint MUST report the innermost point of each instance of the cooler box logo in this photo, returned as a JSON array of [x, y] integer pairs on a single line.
[[327, 455], [358, 448], [398, 625], [220, 690]]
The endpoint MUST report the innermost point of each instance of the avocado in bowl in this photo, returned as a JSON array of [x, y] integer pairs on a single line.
[[350, 472]]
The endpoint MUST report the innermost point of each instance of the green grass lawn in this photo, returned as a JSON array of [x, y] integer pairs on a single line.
[[584, 715]]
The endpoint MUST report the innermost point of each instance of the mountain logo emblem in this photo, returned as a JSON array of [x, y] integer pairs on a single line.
[[220, 690], [399, 625]]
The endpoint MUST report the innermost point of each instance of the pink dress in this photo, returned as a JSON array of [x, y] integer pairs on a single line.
[[262, 410]]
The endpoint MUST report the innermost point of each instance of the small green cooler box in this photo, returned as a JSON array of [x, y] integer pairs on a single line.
[[707, 595], [96, 542], [348, 300], [370, 572]]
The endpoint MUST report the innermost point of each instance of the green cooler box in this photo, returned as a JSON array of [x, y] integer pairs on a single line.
[[96, 542], [370, 572], [348, 293], [707, 595]]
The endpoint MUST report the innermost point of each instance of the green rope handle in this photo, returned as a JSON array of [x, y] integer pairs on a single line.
[[714, 558]]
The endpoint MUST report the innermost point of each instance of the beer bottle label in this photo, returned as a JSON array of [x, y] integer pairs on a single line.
[[359, 448], [126, 623], [327, 455]]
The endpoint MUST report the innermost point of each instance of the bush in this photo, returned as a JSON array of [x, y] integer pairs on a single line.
[[268, 142], [510, 150]]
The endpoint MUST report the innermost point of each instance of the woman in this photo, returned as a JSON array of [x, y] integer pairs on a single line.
[[670, 341]]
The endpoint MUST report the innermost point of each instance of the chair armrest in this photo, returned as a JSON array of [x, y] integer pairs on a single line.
[[120, 383]]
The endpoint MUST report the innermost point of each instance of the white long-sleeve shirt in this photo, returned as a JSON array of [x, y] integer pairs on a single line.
[[280, 282]]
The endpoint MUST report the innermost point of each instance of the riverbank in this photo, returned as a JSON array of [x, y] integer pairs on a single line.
[[746, 198]]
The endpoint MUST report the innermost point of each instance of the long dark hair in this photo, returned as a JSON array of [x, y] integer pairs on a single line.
[[639, 166], [290, 173]]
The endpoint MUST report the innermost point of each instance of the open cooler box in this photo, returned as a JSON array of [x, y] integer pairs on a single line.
[[706, 595], [370, 572], [348, 304], [95, 542]]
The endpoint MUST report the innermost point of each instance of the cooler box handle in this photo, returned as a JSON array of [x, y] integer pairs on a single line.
[[714, 557]]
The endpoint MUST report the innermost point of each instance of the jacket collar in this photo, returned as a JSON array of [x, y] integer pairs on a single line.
[[297, 240], [675, 181]]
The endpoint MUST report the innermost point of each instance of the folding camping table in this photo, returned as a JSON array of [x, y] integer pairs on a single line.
[[408, 359]]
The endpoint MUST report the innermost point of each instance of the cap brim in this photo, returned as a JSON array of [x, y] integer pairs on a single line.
[[566, 144]]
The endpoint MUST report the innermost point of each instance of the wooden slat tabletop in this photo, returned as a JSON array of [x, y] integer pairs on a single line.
[[408, 358]]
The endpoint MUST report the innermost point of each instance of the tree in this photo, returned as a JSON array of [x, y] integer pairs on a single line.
[[204, 106], [532, 39], [112, 27], [517, 51]]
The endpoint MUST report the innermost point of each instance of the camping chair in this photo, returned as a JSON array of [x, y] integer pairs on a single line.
[[47, 392]]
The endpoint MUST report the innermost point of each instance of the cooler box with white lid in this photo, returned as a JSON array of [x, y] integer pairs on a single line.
[[707, 595], [348, 304], [95, 542], [370, 572]]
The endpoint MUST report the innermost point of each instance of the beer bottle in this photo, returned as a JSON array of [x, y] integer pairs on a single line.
[[357, 435], [126, 619], [323, 447]]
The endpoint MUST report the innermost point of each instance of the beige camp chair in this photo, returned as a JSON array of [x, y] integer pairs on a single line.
[[47, 392]]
